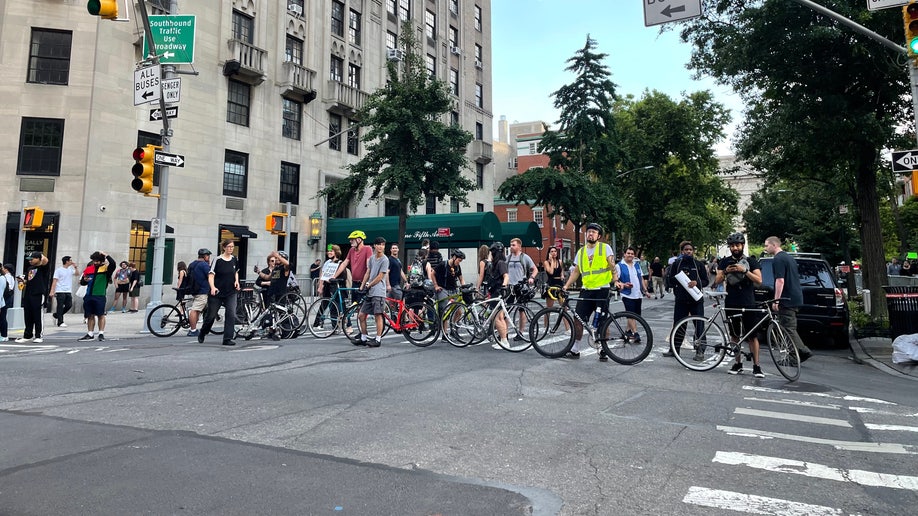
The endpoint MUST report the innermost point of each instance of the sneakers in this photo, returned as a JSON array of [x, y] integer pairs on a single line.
[[86, 337], [636, 338], [603, 357], [193, 333], [62, 325], [804, 355], [4, 339], [201, 337], [101, 337], [518, 338], [573, 354], [229, 342], [699, 356], [21, 340], [736, 368], [669, 353], [38, 340], [374, 343], [757, 372]]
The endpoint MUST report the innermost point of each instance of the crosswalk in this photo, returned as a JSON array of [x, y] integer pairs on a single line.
[[876, 445]]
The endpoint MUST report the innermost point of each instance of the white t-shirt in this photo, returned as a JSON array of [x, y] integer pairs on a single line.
[[635, 291], [607, 251], [64, 277]]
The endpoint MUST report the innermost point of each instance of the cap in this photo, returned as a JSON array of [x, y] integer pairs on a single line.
[[329, 247], [204, 252], [34, 255]]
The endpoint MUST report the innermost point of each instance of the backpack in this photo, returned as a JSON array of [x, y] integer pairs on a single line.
[[190, 284], [416, 274], [486, 276]]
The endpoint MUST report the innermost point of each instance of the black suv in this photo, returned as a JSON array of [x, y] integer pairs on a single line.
[[824, 311]]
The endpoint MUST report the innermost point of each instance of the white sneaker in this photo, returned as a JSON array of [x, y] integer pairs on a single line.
[[20, 340], [496, 346], [62, 325], [39, 340], [4, 339]]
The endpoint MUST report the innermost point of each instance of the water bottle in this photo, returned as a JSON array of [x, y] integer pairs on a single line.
[[596, 315]]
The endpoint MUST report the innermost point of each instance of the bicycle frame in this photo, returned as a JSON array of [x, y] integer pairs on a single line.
[[720, 315]]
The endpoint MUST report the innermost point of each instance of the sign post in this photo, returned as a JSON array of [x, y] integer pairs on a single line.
[[657, 12]]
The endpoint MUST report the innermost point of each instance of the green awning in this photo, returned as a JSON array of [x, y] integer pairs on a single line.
[[528, 232], [451, 230]]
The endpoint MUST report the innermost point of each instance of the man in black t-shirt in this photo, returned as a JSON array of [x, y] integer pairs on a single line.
[[741, 274], [33, 296], [656, 277]]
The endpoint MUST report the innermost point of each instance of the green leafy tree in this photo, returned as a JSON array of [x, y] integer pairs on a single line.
[[821, 101], [410, 152]]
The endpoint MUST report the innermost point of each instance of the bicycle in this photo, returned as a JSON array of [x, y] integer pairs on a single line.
[[165, 320], [552, 332], [416, 320], [250, 303], [326, 315], [478, 323], [710, 344], [457, 305], [277, 320]]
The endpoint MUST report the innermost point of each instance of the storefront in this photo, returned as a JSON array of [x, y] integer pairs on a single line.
[[451, 230]]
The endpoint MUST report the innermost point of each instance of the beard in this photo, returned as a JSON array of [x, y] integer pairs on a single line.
[[591, 239], [737, 255]]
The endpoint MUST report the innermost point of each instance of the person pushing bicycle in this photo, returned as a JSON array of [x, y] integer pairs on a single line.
[[595, 263], [741, 274]]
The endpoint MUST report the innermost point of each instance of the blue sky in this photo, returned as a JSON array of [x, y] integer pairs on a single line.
[[532, 39]]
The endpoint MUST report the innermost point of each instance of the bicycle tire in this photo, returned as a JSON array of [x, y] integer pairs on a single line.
[[295, 305], [783, 352], [285, 321], [713, 343], [551, 332], [322, 317], [517, 338], [353, 313], [165, 320], [625, 348], [477, 316], [457, 332], [422, 324]]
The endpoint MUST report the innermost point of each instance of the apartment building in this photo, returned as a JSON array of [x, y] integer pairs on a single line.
[[266, 118]]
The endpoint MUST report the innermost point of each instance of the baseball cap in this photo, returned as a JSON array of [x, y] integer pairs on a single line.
[[34, 255], [329, 247]]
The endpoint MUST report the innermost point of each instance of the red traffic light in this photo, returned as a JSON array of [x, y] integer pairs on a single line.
[[139, 153]]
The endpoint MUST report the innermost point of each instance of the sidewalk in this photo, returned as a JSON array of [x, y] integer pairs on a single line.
[[877, 352], [117, 326]]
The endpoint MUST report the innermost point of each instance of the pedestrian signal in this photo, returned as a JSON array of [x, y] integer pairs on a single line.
[[32, 217], [275, 223]]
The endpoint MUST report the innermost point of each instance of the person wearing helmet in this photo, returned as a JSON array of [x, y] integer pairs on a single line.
[[274, 277], [356, 260], [595, 262], [447, 278], [685, 304], [374, 282], [198, 288], [497, 281], [741, 274]]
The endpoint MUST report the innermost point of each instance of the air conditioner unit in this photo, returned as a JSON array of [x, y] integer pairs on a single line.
[[478, 64], [295, 9], [455, 50], [394, 54]]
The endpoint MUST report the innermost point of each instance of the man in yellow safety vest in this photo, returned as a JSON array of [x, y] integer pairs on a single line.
[[594, 262]]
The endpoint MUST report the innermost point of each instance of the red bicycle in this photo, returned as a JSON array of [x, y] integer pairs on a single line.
[[416, 320]]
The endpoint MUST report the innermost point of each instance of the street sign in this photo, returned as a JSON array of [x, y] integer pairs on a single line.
[[876, 5], [173, 35], [155, 227], [664, 11], [170, 160], [443, 232], [172, 90], [905, 161], [157, 114], [146, 85]]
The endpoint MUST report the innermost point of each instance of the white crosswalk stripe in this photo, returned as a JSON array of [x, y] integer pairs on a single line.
[[720, 499]]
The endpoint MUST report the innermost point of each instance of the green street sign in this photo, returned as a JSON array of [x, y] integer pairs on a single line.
[[173, 35]]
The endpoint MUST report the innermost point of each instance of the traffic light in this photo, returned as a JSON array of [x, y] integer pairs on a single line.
[[275, 223], [32, 218], [910, 20], [107, 9], [143, 168]]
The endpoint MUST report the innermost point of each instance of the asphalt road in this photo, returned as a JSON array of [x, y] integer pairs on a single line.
[[168, 426]]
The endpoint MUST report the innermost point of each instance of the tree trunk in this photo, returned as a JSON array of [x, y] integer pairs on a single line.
[[402, 228], [873, 267]]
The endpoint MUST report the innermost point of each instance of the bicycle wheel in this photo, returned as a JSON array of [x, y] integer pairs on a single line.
[[517, 336], [322, 317], [551, 332], [422, 327], [457, 332], [352, 315], [704, 344], [623, 345], [783, 352], [296, 307], [164, 320], [476, 322]]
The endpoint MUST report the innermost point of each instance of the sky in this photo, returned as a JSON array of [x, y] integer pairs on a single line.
[[533, 39]]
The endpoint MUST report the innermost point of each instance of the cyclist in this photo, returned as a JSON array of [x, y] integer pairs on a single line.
[[741, 274], [497, 285], [595, 262], [447, 279], [357, 257]]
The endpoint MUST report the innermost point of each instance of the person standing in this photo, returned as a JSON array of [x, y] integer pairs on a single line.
[[685, 304], [135, 284], [632, 284], [521, 268], [35, 280], [788, 294], [356, 259], [198, 288], [594, 262], [397, 276], [223, 280], [62, 289], [122, 286], [8, 283], [741, 274], [554, 272], [275, 276], [656, 277], [374, 282], [314, 271], [96, 293], [448, 278], [497, 282], [484, 264], [893, 267]]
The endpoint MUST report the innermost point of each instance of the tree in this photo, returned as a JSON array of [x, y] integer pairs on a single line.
[[822, 101], [583, 152], [410, 152]]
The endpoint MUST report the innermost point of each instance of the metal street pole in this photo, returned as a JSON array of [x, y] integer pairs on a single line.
[[17, 319]]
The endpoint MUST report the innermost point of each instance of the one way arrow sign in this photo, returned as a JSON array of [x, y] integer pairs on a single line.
[[172, 160], [664, 11], [905, 161]]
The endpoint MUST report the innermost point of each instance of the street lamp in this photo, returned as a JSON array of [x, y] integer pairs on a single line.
[[315, 228]]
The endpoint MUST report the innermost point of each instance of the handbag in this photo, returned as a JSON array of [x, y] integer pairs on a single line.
[[81, 292]]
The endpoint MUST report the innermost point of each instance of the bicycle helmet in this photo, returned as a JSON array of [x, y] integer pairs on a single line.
[[357, 234], [497, 248], [736, 238], [204, 252], [458, 254], [283, 255], [593, 225]]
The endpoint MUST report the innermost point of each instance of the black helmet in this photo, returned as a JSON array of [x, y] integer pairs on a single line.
[[593, 225], [283, 254], [458, 254], [736, 238], [204, 252], [497, 248]]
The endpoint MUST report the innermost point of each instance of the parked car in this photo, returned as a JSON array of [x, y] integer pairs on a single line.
[[825, 310]]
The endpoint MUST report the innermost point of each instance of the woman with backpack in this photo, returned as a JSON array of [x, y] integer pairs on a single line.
[[484, 267]]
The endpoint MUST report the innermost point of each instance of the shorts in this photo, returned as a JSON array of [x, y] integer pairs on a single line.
[[199, 303], [136, 291], [589, 300], [122, 288], [738, 326], [374, 305], [94, 306], [396, 292]]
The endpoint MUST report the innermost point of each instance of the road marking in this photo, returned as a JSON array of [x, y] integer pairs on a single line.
[[818, 395], [797, 403], [866, 410], [792, 417], [255, 348], [898, 428], [903, 449], [809, 469], [753, 504]]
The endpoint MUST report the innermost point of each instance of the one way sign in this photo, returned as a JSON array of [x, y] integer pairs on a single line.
[[663, 11], [905, 161]]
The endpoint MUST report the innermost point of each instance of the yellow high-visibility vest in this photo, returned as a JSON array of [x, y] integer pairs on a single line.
[[596, 274]]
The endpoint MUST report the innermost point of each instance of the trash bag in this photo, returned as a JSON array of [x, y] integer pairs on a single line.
[[905, 349]]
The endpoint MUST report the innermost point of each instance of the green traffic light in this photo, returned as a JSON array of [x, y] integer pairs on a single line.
[[913, 45]]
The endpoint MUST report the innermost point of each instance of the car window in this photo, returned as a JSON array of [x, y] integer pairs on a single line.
[[813, 273]]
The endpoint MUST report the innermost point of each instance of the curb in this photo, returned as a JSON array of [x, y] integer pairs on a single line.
[[861, 354]]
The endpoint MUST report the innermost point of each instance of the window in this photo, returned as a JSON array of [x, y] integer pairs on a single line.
[[390, 208], [391, 7], [478, 18], [479, 131], [353, 27], [431, 62], [293, 50], [454, 6], [478, 58], [337, 19], [295, 6], [391, 40], [431, 205], [40, 144], [237, 103], [479, 175], [538, 216], [430, 24], [334, 131], [290, 182], [532, 147], [454, 117], [515, 163], [454, 205], [479, 207], [353, 76], [452, 36], [454, 81], [479, 95], [511, 215], [292, 119], [404, 9], [353, 138], [235, 171], [137, 247], [243, 27], [336, 70], [49, 56]]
